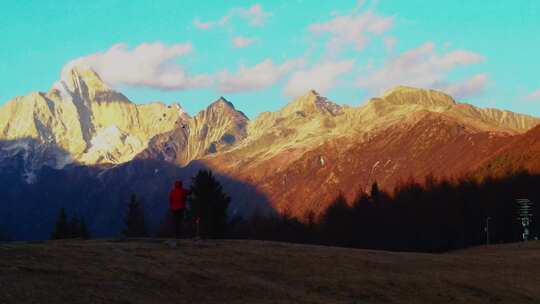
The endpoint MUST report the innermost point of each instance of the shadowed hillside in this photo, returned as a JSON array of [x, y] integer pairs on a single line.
[[99, 193]]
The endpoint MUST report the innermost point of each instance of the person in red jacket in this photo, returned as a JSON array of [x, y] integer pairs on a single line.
[[177, 205]]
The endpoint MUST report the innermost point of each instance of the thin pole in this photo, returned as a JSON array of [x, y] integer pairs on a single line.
[[197, 233]]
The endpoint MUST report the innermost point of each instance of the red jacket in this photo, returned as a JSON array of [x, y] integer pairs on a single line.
[[178, 196]]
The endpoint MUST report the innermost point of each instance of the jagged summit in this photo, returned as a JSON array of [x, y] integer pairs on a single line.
[[311, 103], [225, 106], [82, 82], [221, 101], [312, 92], [77, 74], [215, 129]]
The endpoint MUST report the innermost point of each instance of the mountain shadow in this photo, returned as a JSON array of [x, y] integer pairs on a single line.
[[28, 207]]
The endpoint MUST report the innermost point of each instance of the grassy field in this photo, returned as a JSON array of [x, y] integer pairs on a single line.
[[230, 271]]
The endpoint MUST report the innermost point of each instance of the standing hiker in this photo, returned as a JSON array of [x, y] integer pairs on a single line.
[[177, 205]]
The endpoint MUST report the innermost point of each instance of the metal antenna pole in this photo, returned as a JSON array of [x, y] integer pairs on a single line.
[[525, 216]]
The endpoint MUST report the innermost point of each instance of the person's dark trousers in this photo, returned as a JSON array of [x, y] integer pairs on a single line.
[[178, 217]]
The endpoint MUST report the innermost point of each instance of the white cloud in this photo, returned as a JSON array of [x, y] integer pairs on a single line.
[[321, 77], [241, 42], [423, 67], [203, 25], [210, 24], [259, 76], [351, 29], [469, 87], [533, 95], [254, 14], [148, 65], [390, 43]]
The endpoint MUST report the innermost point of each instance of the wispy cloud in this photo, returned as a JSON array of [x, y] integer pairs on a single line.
[[259, 76], [156, 65], [242, 42], [390, 43], [203, 25], [470, 87], [210, 24], [149, 65], [254, 15], [424, 67], [321, 77], [535, 95], [352, 29]]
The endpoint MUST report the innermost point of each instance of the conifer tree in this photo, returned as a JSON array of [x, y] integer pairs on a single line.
[[74, 227], [61, 230], [337, 222], [134, 220], [209, 204], [375, 191], [83, 229], [3, 235]]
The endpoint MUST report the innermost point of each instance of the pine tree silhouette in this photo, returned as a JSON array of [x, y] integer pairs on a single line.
[[134, 220], [209, 204], [61, 230], [337, 222], [74, 227], [375, 191], [4, 237], [83, 229]]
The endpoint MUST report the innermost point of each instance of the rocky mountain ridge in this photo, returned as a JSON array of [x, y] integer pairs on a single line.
[[295, 160], [82, 120], [305, 155]]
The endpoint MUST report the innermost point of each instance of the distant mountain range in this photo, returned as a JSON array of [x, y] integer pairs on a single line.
[[87, 147]]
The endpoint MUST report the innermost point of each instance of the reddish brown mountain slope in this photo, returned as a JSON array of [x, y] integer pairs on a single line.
[[427, 143], [522, 152], [302, 156]]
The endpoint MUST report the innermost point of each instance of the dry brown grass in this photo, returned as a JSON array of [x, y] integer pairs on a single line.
[[227, 271]]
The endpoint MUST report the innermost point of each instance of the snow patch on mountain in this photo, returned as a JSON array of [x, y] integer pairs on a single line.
[[112, 145]]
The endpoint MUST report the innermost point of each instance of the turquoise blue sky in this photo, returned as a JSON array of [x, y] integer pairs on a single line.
[[484, 53]]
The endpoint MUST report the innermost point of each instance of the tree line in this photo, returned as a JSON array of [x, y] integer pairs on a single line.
[[206, 217], [73, 228], [433, 215]]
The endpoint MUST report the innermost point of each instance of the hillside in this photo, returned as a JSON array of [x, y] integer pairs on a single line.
[[522, 152], [304, 155], [227, 271]]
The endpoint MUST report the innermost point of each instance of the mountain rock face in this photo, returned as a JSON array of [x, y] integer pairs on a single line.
[[213, 130], [303, 156], [82, 120], [296, 160]]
